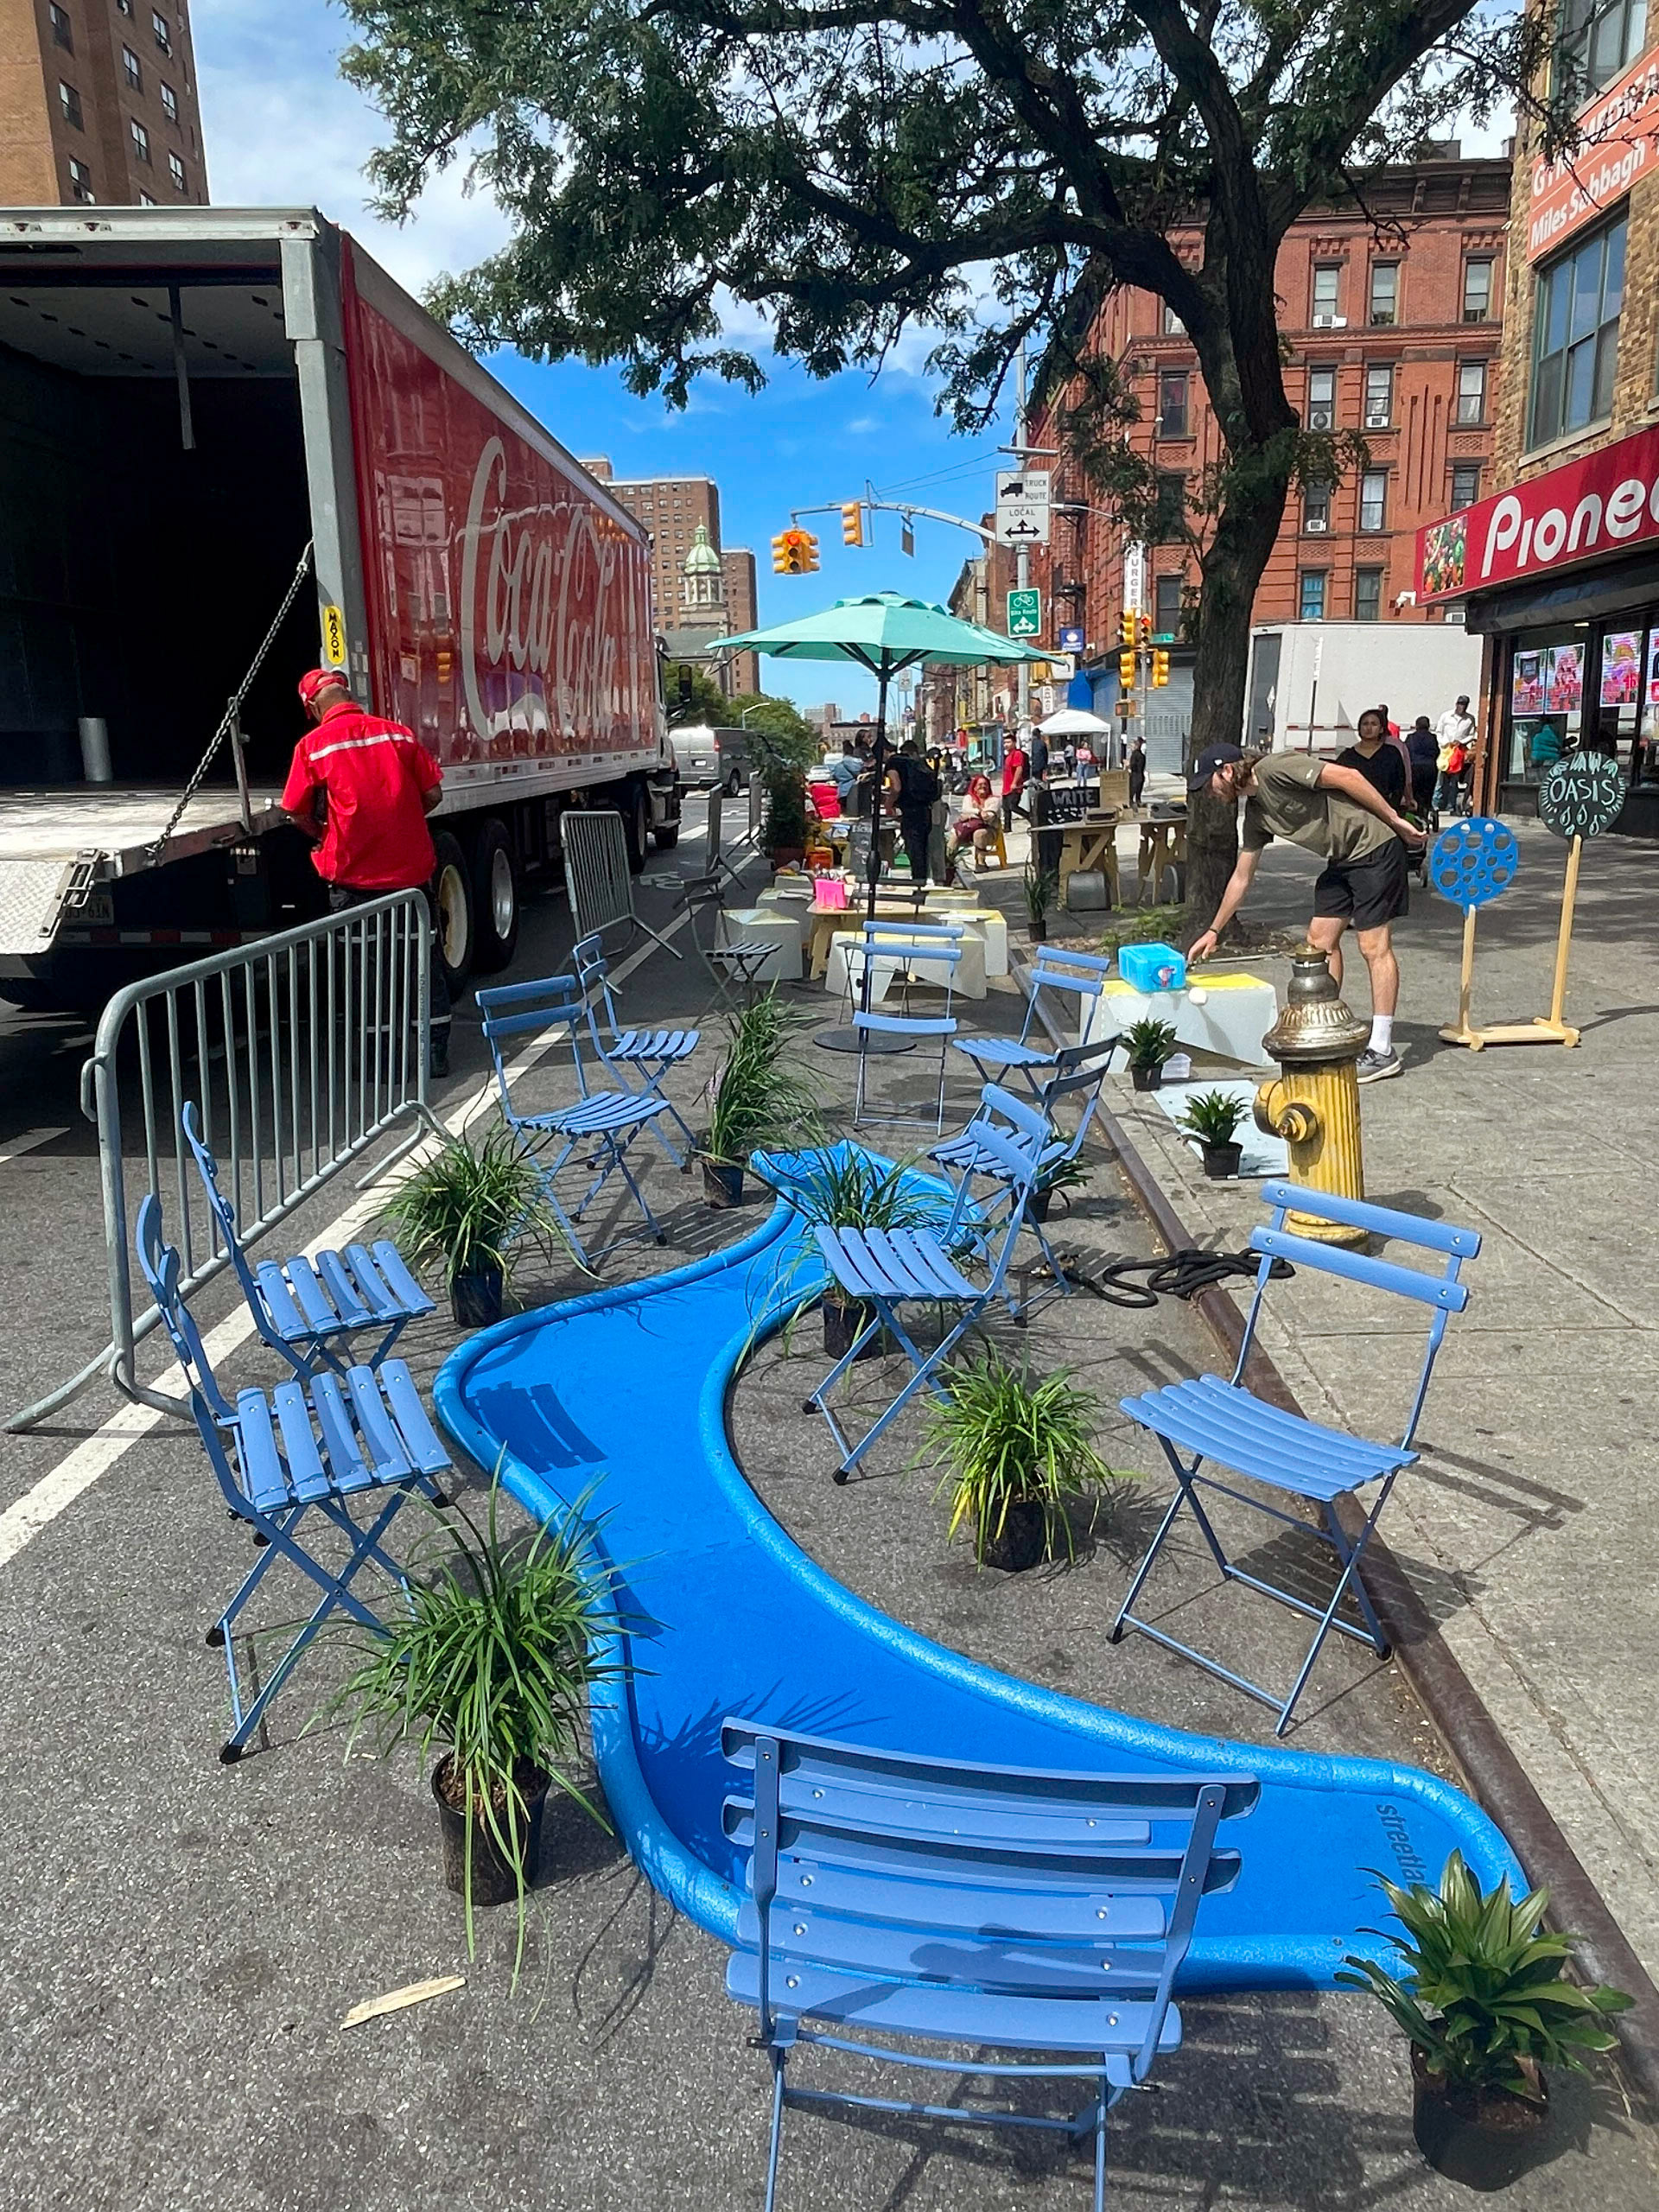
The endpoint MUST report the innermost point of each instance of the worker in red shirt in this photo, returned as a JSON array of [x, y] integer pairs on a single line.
[[361, 789]]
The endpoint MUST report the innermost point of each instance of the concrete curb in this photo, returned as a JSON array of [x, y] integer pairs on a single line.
[[1490, 1772]]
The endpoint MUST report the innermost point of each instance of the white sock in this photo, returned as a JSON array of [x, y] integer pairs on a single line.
[[1382, 1034]]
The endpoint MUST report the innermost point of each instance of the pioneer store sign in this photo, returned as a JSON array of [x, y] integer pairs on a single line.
[[1580, 513]]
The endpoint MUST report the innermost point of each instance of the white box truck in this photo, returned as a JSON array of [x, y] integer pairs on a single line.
[[1310, 682]]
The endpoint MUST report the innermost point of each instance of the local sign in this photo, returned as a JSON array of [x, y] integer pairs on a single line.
[[1581, 511], [1025, 614], [1618, 142], [1022, 506]]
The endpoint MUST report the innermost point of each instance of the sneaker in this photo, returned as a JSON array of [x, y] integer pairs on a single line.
[[1374, 1067]]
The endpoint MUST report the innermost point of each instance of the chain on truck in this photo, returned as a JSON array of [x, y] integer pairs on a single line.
[[239, 449]]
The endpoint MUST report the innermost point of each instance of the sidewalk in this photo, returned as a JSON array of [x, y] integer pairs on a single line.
[[1528, 1530]]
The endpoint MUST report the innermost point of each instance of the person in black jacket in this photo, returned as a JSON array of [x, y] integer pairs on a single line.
[[1376, 759], [915, 787]]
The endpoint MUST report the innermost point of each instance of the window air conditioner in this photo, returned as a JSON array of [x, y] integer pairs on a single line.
[[1330, 322], [1377, 418], [1315, 523], [1321, 418]]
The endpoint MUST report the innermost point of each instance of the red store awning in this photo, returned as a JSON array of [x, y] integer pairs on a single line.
[[1581, 511]]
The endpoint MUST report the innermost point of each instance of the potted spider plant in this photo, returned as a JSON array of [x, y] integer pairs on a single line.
[[785, 834], [1041, 887], [471, 1205], [1016, 1454], [1484, 2004], [760, 1096], [838, 1187], [1148, 1044], [1212, 1118], [488, 1661], [1068, 1176]]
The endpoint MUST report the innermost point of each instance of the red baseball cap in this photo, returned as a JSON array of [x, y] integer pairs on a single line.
[[318, 679]]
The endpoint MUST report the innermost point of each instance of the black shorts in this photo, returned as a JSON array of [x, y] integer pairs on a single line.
[[1367, 893]]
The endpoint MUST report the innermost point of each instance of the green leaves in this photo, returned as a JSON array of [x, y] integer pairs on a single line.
[[763, 1092], [1148, 1042], [471, 1204], [1213, 1116], [1483, 1996]]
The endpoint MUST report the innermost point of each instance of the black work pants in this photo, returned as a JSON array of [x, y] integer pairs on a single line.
[[344, 896], [916, 827]]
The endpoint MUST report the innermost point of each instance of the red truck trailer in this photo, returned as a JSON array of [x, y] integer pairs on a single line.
[[232, 448]]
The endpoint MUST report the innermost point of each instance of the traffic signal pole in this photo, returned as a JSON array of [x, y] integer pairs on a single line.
[[1022, 557]]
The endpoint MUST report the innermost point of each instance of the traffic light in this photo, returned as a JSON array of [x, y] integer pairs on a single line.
[[1144, 637], [794, 553], [780, 552], [852, 522], [1126, 669], [808, 552], [1126, 628], [1159, 666]]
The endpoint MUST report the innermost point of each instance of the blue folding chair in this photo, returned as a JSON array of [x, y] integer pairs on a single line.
[[888, 1268], [1225, 1424], [649, 1053], [1080, 975], [307, 1447], [1075, 1075], [998, 1908], [307, 1309], [604, 1123], [902, 946]]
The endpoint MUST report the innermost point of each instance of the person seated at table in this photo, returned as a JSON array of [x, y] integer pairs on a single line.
[[979, 821]]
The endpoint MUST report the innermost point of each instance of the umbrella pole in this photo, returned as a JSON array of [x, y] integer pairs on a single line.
[[856, 1039]]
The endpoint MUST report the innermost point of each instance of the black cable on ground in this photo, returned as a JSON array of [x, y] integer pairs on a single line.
[[1182, 1274]]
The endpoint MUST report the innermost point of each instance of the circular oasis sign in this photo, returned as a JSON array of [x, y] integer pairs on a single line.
[[1581, 796]]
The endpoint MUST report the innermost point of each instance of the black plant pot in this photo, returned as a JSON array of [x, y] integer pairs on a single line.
[[475, 1298], [1221, 1161], [1038, 1204], [843, 1318], [1023, 1541], [1147, 1079], [1486, 2138], [496, 1880], [722, 1186], [1039, 932]]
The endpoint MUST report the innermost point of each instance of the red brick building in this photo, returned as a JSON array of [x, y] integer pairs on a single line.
[[1393, 319], [98, 105]]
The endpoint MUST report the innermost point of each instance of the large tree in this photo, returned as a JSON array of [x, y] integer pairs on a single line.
[[842, 171]]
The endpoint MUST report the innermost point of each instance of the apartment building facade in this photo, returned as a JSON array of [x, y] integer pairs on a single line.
[[99, 104], [1558, 569], [673, 509]]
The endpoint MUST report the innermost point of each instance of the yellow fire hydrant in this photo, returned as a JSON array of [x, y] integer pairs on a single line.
[[1314, 1102]]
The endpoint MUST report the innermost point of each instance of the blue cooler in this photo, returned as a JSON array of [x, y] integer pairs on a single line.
[[1152, 967]]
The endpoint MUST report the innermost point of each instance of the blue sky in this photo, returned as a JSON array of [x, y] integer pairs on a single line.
[[281, 130]]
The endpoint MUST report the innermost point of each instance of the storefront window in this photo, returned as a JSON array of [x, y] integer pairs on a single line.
[[1548, 679]]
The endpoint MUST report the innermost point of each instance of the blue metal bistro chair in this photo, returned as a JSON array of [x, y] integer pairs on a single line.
[[648, 1053], [307, 1447], [903, 948], [1080, 975], [309, 1309], [1076, 1075], [603, 1123], [948, 1903], [1207, 1422], [888, 1268]]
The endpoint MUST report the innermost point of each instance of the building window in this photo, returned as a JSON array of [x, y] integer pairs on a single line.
[[1379, 395], [1169, 506], [163, 36], [1166, 606], [1311, 598], [1373, 498], [1368, 595], [169, 104], [1328, 275], [123, 7], [61, 34], [140, 140], [1316, 507], [1385, 291], [1321, 399], [1470, 408], [145, 201], [1466, 484], [69, 101], [1173, 326], [1597, 41], [135, 74], [1575, 342], [1171, 404], [80, 180], [175, 170], [1476, 291]]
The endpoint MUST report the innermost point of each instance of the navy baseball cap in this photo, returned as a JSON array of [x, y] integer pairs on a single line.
[[1211, 758]]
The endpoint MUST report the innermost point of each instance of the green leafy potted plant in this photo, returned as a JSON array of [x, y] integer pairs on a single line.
[[838, 1187], [1485, 2006], [1041, 887], [1016, 1454], [488, 1660], [1148, 1044], [1068, 1176], [472, 1206], [761, 1096], [786, 826], [1212, 1118]]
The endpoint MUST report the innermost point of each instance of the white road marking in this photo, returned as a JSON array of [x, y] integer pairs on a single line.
[[30, 1141], [92, 1459]]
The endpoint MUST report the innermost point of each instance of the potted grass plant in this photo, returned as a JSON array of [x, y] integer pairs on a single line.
[[1070, 1175], [1148, 1044], [473, 1205], [761, 1096], [1212, 1118], [1484, 2004], [1041, 887], [1016, 1455], [838, 1187], [488, 1662], [785, 834]]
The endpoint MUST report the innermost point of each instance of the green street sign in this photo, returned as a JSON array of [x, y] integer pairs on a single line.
[[1025, 614]]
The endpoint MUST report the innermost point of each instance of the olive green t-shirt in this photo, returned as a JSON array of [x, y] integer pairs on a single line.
[[1286, 801]]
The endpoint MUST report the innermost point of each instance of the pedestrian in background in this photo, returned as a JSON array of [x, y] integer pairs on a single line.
[[1424, 749], [1137, 772], [913, 787], [1039, 756], [361, 789], [1381, 763], [1016, 773], [1456, 731]]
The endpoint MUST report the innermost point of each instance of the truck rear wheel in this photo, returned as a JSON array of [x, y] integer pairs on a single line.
[[457, 934], [495, 898]]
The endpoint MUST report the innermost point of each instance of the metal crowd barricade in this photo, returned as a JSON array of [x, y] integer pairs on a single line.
[[597, 879], [303, 1051]]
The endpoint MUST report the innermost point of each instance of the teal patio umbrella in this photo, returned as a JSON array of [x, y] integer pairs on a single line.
[[885, 633]]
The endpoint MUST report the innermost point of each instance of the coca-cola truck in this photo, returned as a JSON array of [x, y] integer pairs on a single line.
[[231, 448]]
